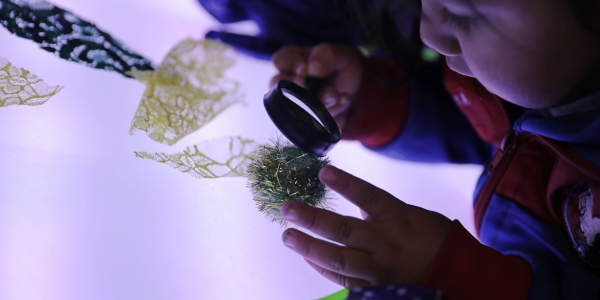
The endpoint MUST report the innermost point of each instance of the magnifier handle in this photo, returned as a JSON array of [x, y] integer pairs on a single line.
[[314, 85]]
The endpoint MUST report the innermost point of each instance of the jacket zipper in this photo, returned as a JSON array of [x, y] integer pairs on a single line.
[[501, 161], [504, 113], [498, 166]]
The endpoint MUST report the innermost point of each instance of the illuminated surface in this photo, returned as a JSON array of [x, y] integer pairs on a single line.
[[82, 218]]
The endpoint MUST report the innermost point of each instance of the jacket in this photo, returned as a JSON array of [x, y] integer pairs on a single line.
[[535, 212]]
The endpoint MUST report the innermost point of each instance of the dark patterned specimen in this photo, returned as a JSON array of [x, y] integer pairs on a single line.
[[66, 35]]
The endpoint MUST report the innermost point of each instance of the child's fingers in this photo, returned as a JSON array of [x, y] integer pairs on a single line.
[[296, 79], [340, 106], [337, 104], [375, 202], [329, 96], [343, 61], [342, 260], [345, 281], [326, 59], [349, 231], [291, 60]]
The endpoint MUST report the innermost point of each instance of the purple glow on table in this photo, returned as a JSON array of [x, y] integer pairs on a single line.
[[82, 218]]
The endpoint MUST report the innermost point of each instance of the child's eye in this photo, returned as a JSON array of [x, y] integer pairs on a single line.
[[463, 22]]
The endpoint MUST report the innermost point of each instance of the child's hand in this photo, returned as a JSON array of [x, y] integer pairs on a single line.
[[341, 66], [395, 243]]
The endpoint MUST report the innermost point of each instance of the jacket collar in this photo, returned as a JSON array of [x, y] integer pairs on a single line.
[[581, 126]]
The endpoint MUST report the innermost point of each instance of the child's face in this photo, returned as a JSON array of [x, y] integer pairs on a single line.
[[529, 52]]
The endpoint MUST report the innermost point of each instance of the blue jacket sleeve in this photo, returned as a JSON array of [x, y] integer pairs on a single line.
[[283, 22]]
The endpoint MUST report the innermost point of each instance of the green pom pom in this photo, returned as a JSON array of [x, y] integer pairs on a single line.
[[280, 172]]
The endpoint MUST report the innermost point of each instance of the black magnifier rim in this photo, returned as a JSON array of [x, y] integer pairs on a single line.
[[299, 126]]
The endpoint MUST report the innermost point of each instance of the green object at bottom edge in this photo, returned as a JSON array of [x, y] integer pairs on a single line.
[[341, 295]]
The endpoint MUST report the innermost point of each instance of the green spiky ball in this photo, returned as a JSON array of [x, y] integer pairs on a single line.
[[279, 172]]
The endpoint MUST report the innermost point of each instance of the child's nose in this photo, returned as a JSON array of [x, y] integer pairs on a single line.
[[440, 41]]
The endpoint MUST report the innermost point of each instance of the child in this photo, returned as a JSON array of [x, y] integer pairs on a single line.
[[525, 76]]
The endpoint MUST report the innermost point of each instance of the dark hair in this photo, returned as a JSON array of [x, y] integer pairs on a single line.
[[390, 25], [372, 15]]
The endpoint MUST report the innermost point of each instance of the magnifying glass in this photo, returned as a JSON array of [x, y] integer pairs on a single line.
[[312, 129]]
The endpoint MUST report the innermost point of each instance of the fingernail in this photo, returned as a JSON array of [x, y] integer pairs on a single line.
[[299, 69], [329, 99], [344, 100], [314, 69], [327, 174], [289, 212], [289, 239]]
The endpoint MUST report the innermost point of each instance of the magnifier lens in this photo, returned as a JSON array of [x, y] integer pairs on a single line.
[[287, 93], [302, 118]]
